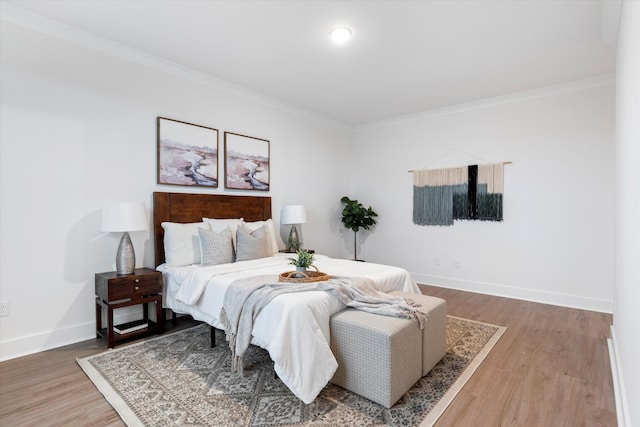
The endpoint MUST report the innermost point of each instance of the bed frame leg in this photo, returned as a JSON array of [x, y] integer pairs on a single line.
[[174, 318], [213, 337]]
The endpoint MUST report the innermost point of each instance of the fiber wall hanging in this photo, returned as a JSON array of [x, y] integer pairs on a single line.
[[472, 192]]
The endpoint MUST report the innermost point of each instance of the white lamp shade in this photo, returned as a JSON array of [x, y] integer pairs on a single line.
[[294, 214], [124, 217]]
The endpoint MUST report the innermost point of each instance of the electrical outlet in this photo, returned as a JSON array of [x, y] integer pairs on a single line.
[[4, 308], [456, 262], [436, 261]]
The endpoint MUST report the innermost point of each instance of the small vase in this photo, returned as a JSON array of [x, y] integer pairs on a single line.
[[301, 269]]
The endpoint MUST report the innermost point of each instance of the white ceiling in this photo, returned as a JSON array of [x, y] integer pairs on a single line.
[[405, 57]]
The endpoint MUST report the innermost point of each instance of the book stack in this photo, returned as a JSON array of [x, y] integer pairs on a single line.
[[129, 327]]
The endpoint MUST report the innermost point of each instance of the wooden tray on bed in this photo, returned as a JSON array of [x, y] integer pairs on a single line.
[[307, 276]]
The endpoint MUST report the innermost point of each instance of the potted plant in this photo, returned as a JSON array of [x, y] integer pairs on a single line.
[[293, 244], [303, 261], [355, 216]]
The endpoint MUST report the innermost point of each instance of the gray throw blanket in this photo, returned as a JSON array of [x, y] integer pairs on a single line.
[[245, 298]]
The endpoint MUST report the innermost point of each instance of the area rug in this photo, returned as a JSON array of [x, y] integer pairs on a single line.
[[178, 380]]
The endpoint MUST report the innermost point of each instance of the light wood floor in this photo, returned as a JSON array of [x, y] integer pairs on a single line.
[[550, 368]]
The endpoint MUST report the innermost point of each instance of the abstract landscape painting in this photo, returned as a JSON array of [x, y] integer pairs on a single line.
[[187, 154], [246, 162]]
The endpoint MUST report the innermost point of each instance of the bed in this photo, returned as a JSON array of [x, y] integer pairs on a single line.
[[293, 328]]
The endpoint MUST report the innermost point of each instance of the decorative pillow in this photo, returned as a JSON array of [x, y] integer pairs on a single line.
[[271, 233], [182, 243], [218, 225], [216, 248], [252, 244]]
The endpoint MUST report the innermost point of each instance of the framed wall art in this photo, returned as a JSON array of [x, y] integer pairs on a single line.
[[246, 162], [187, 154]]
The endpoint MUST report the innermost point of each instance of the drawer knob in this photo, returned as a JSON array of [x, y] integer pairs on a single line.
[[137, 288], [137, 280]]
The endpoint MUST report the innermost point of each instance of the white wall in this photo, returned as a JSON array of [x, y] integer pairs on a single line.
[[626, 318], [78, 132], [555, 244]]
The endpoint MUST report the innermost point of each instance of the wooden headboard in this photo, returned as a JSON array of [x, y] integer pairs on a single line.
[[185, 208]]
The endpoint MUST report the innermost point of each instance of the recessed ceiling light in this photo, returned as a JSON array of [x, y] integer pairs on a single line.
[[340, 34]]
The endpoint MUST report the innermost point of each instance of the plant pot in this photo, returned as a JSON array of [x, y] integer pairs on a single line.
[[301, 272]]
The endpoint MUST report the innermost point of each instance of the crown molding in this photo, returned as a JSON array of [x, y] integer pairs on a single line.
[[11, 13], [573, 86]]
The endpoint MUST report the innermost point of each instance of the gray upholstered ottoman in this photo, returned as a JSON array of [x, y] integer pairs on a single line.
[[379, 357], [434, 334]]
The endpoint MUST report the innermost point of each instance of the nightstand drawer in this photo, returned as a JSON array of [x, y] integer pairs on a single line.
[[113, 287], [133, 287]]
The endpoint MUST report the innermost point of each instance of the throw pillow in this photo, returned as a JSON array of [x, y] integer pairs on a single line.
[[220, 224], [251, 244], [271, 233], [216, 248]]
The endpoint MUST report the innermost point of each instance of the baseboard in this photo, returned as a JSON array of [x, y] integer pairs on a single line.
[[47, 340], [534, 295], [35, 343], [622, 406]]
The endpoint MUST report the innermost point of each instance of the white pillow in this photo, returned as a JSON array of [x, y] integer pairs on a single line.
[[182, 243], [271, 233], [252, 244], [218, 225], [216, 248]]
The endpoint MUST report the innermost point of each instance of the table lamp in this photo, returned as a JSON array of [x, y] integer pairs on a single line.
[[124, 217], [294, 214]]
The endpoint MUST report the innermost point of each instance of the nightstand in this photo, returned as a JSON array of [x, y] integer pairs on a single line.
[[113, 291]]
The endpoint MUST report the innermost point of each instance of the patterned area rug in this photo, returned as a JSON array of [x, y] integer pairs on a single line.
[[178, 380]]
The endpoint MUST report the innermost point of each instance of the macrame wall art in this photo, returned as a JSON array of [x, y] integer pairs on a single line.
[[473, 192]]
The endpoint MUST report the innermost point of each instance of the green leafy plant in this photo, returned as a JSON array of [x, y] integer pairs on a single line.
[[355, 216], [304, 259], [293, 244]]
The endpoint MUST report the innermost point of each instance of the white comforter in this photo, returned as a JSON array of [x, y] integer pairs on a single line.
[[293, 328]]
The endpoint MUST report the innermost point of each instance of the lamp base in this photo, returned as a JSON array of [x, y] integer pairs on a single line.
[[126, 257]]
